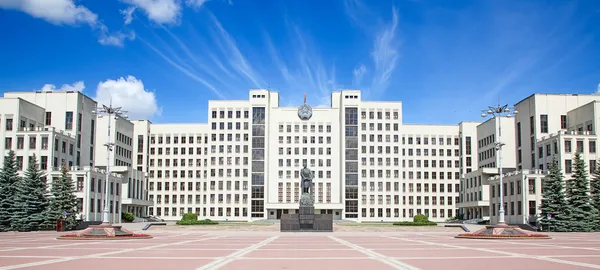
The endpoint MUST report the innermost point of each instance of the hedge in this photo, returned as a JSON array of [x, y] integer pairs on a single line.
[[197, 222]]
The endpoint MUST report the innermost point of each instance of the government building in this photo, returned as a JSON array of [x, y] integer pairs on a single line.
[[244, 163]]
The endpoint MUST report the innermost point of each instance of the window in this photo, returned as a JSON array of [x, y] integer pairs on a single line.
[[563, 122], [69, 120], [48, 118], [544, 123], [9, 124], [519, 134]]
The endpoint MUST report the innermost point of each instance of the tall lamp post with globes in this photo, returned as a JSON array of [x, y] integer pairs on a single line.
[[106, 230], [117, 113], [501, 230], [498, 112]]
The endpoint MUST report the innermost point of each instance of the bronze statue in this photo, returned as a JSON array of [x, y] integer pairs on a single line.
[[307, 176]]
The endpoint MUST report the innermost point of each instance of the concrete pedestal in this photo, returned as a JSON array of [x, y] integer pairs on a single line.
[[306, 221]]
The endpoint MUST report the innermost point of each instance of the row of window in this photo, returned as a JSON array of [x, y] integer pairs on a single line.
[[238, 114], [214, 185], [176, 139], [313, 128], [212, 211], [380, 115], [432, 213], [220, 199], [425, 140]]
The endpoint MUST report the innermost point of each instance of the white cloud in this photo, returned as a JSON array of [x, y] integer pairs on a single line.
[[54, 11], [358, 74], [159, 11], [76, 86], [598, 89], [130, 94], [195, 3], [66, 12], [115, 39], [128, 14]]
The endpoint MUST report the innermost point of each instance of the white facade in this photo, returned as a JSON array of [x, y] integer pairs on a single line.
[[244, 163], [522, 196], [487, 133], [541, 115], [60, 128], [474, 190], [178, 174], [135, 190], [71, 112]]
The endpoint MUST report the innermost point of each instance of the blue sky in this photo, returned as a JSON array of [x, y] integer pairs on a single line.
[[163, 59]]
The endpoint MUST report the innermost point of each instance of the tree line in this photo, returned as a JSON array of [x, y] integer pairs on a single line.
[[573, 204], [26, 204]]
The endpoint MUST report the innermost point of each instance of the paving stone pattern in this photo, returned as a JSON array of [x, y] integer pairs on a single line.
[[267, 250]]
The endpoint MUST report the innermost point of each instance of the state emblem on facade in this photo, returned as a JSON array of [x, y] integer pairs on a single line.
[[304, 111]]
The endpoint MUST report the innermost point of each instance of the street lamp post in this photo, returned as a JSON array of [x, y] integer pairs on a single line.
[[498, 112], [117, 112]]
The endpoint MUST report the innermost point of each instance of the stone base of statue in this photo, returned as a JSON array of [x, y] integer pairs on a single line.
[[305, 220]]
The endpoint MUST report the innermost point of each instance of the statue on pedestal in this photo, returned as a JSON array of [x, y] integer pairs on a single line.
[[306, 176]]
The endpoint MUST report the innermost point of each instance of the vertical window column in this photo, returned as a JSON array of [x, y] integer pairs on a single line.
[[258, 163], [351, 162]]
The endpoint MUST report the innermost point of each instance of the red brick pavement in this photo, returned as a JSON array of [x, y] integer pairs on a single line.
[[273, 250]]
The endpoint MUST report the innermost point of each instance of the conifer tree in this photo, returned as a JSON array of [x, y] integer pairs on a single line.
[[32, 199], [595, 194], [8, 179], [553, 200], [64, 200], [581, 214]]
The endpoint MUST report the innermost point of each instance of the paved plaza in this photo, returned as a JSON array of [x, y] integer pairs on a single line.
[[183, 250]]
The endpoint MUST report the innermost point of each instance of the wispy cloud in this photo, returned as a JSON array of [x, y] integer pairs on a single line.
[[537, 46], [185, 70], [385, 55], [358, 75], [304, 71], [385, 51], [228, 46], [222, 67]]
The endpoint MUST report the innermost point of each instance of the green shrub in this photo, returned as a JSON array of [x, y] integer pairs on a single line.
[[197, 222], [420, 218], [409, 223], [127, 217], [190, 216]]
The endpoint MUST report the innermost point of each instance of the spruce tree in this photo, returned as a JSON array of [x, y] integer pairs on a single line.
[[582, 214], [8, 179], [32, 199], [64, 200], [553, 200], [595, 194]]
